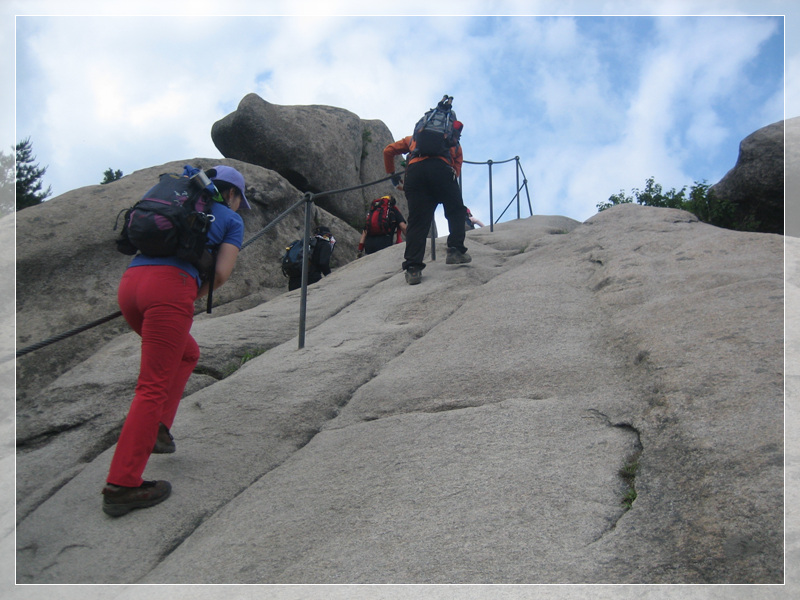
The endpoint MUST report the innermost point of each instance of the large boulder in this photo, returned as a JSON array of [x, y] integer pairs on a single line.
[[754, 186], [316, 148], [68, 267]]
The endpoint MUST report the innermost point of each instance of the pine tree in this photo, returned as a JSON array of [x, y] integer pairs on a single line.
[[29, 177], [110, 175]]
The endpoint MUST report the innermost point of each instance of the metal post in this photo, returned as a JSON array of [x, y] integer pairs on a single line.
[[530, 208], [433, 233], [301, 337], [517, 165], [491, 198]]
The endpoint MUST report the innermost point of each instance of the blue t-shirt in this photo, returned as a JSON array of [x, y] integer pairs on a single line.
[[227, 228]]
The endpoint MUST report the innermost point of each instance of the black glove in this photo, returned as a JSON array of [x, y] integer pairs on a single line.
[[396, 180]]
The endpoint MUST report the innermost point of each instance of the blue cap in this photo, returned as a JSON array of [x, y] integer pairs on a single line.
[[232, 176]]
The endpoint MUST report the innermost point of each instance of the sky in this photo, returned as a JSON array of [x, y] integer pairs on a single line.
[[593, 97]]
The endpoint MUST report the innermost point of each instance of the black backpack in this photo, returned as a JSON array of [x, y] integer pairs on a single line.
[[434, 133], [172, 219], [292, 261]]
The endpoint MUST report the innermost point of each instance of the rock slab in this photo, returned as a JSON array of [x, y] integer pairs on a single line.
[[472, 429]]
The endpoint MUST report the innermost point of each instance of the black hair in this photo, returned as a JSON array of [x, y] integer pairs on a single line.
[[224, 186]]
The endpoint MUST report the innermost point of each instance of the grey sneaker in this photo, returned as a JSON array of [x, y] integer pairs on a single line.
[[165, 443], [413, 275], [119, 500], [456, 257]]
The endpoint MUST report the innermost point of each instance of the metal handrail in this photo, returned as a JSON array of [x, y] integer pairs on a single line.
[[308, 199], [518, 171]]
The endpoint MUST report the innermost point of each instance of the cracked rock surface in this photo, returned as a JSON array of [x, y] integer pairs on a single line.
[[471, 429]]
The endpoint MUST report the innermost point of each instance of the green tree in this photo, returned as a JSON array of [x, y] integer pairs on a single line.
[[700, 201], [110, 175], [7, 178], [614, 200], [654, 195], [29, 177]]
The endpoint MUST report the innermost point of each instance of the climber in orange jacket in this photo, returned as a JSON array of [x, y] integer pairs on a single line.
[[407, 146], [430, 180]]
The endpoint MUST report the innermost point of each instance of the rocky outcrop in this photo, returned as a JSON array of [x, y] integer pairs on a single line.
[[754, 186], [68, 267], [316, 148], [583, 403]]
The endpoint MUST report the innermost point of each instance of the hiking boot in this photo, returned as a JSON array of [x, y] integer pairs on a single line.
[[413, 275], [165, 443], [119, 500], [456, 257]]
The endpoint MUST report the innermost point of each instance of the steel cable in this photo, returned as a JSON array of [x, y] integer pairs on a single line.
[[275, 221]]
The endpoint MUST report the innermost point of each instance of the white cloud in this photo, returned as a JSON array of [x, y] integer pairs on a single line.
[[589, 105], [594, 136], [705, 130]]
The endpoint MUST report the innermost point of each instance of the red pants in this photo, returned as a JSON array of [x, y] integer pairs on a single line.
[[158, 304]]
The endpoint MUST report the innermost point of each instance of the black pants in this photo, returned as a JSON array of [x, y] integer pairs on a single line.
[[375, 243], [428, 184], [297, 282]]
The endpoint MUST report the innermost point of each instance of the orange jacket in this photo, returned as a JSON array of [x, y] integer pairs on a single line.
[[407, 144]]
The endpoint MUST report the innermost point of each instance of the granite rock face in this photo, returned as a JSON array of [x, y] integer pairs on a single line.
[[597, 402]]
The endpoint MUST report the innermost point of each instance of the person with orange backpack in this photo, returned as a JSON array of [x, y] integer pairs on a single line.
[[434, 164], [384, 223]]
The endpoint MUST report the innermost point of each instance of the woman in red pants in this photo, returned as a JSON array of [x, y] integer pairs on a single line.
[[156, 297]]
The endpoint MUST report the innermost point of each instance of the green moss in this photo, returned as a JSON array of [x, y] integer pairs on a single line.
[[628, 473]]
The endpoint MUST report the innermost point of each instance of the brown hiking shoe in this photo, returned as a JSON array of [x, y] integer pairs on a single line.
[[413, 275], [119, 500], [456, 257], [165, 443]]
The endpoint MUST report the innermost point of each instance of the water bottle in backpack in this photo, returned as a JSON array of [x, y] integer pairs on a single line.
[[435, 133]]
